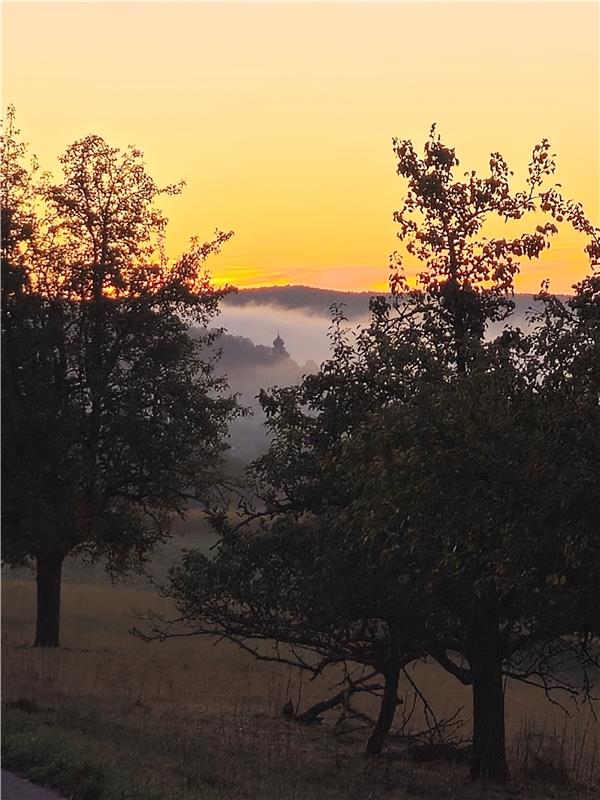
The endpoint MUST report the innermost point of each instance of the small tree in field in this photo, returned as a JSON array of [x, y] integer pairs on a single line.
[[111, 419]]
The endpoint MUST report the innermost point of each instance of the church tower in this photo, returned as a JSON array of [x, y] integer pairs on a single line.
[[279, 346]]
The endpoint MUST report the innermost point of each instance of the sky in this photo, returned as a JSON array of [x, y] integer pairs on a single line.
[[280, 116]]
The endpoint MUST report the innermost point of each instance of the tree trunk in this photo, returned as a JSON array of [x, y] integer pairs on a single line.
[[49, 570], [488, 761], [386, 712]]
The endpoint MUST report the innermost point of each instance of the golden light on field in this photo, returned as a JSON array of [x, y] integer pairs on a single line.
[[280, 116], [220, 698]]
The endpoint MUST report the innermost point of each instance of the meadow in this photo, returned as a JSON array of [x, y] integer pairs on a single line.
[[110, 716]]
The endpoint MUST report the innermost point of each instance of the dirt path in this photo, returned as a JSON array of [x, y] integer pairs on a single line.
[[14, 788]]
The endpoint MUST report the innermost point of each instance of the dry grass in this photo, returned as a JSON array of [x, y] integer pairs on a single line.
[[207, 719]]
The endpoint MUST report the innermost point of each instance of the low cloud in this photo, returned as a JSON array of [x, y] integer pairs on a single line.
[[304, 333]]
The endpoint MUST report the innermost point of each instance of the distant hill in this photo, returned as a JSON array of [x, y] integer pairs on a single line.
[[317, 302], [302, 298]]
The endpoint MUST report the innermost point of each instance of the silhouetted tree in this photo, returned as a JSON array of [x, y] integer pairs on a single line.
[[430, 491], [111, 417]]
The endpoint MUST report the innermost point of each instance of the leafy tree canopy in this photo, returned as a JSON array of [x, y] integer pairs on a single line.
[[112, 417], [431, 492]]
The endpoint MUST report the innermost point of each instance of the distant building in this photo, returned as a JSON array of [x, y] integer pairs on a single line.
[[279, 346]]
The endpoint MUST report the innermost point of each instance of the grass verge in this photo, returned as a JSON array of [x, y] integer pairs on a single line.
[[35, 746], [89, 757]]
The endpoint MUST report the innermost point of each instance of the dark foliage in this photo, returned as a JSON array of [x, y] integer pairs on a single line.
[[430, 492], [112, 418]]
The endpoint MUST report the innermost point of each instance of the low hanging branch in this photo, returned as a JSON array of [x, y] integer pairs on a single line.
[[342, 697]]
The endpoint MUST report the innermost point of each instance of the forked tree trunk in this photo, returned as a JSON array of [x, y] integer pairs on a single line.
[[49, 572], [386, 712], [488, 761]]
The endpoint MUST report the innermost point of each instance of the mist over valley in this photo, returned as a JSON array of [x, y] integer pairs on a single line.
[[301, 316]]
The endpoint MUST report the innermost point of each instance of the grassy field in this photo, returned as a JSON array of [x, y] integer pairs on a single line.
[[109, 716]]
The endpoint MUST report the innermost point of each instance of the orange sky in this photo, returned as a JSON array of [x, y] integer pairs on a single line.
[[280, 116]]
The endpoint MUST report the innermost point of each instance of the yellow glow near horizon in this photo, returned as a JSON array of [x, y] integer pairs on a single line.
[[280, 116]]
